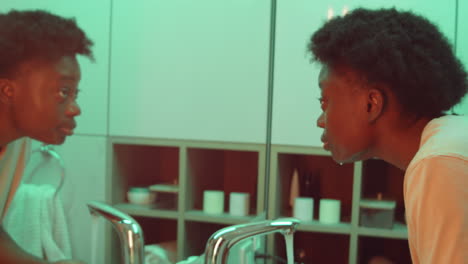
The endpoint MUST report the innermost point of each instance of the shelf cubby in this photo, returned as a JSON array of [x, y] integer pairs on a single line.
[[395, 250], [311, 247], [331, 180], [156, 231], [223, 170], [196, 236], [379, 177], [139, 165]]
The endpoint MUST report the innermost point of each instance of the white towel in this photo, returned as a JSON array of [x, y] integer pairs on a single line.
[[155, 254], [36, 221]]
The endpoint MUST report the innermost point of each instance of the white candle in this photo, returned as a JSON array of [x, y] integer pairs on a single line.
[[304, 208], [330, 211], [213, 202], [239, 203]]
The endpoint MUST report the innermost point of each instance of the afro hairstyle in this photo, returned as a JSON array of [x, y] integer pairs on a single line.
[[404, 51], [38, 34]]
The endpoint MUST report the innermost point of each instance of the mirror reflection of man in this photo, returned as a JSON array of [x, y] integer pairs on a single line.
[[389, 79], [39, 77]]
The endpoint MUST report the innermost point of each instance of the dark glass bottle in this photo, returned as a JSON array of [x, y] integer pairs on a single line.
[[307, 185], [310, 186]]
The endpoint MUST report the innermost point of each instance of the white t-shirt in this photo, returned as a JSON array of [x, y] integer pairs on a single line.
[[436, 193], [13, 159]]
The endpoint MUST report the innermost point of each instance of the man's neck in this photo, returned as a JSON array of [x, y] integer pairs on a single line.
[[400, 143], [8, 132]]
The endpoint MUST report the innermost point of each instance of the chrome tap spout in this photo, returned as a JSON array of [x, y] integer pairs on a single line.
[[129, 231], [218, 245]]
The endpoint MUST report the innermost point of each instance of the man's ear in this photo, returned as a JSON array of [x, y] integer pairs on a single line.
[[375, 104], [6, 91]]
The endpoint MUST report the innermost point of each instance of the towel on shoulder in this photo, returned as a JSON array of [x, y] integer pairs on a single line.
[[37, 222]]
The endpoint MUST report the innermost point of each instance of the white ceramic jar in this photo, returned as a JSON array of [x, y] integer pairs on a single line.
[[141, 196]]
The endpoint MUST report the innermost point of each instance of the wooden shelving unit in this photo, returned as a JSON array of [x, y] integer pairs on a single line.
[[348, 183], [197, 166]]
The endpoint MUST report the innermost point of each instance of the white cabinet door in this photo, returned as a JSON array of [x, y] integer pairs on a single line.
[[462, 48], [94, 18], [190, 69], [295, 106], [84, 158]]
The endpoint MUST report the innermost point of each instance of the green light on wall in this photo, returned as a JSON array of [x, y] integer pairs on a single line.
[[462, 107]]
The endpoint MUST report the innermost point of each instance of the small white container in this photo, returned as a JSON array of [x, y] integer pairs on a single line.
[[329, 211], [377, 213], [304, 208], [239, 203], [213, 202], [141, 196]]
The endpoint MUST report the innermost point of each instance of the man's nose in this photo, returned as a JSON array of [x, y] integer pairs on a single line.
[[73, 109], [321, 121]]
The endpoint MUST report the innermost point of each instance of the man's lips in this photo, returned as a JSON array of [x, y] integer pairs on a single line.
[[324, 140], [67, 130]]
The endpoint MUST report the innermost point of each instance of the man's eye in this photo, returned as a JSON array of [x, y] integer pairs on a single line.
[[321, 100], [64, 91], [322, 103], [67, 92]]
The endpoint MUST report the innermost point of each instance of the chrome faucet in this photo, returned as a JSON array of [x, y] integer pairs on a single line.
[[217, 247], [130, 232]]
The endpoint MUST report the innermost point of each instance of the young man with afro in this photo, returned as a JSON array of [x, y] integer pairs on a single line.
[[39, 76], [388, 81]]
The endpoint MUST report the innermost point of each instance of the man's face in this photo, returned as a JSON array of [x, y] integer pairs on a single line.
[[44, 102], [346, 128]]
